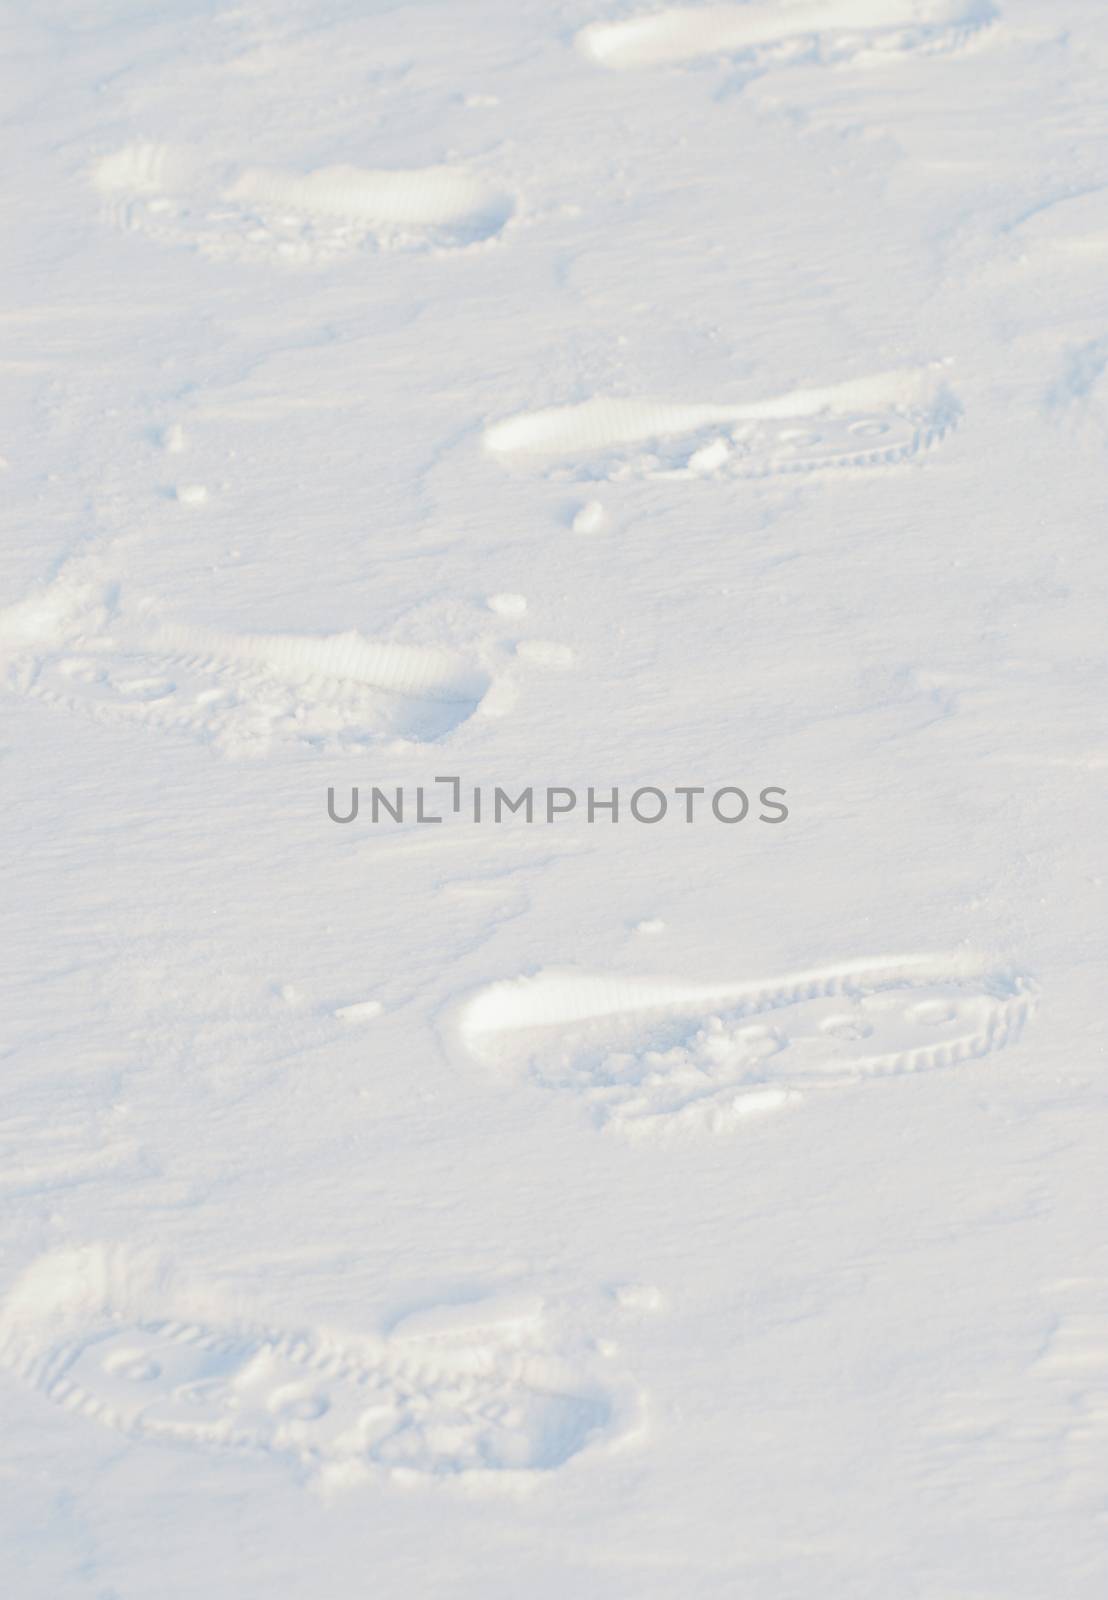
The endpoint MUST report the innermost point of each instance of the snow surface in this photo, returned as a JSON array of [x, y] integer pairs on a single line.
[[574, 395]]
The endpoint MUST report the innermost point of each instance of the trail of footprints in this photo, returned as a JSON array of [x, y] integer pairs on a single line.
[[649, 1058], [240, 693], [495, 1393], [762, 34], [170, 194], [266, 213], [484, 1390], [867, 422]]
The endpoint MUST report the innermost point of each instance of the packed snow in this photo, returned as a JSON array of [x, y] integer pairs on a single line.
[[553, 667]]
